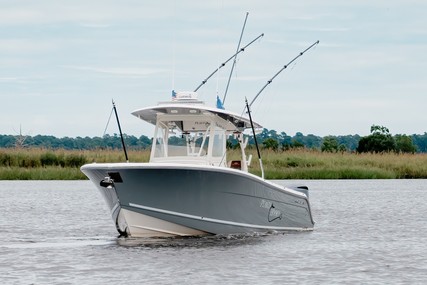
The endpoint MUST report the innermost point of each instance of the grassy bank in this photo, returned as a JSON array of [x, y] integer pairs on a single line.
[[306, 164], [40, 164]]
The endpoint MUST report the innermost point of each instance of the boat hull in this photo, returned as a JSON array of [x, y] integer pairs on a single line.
[[147, 199]]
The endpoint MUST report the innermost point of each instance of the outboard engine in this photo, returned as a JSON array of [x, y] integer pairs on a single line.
[[301, 189]]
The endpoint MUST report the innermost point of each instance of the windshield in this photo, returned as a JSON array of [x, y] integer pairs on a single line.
[[173, 142], [178, 141]]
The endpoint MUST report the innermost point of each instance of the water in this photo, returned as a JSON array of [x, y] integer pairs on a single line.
[[366, 232]]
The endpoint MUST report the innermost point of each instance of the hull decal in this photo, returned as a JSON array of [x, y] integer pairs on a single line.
[[224, 222]]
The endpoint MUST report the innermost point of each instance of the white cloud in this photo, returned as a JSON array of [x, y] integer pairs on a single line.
[[14, 46], [95, 25], [121, 71], [369, 52], [19, 16], [9, 79], [93, 12]]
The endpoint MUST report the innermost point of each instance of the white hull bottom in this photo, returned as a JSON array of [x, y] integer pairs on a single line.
[[140, 225]]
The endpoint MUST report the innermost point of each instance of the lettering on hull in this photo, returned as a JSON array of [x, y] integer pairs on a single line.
[[273, 212]]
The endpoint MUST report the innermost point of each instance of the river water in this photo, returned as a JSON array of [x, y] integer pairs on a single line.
[[366, 232]]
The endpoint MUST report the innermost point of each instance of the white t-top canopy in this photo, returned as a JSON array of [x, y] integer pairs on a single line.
[[185, 110]]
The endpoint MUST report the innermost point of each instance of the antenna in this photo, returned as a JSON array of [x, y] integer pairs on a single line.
[[235, 57], [225, 62], [174, 47], [283, 68], [120, 130]]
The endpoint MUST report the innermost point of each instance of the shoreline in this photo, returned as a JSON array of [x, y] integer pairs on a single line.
[[41, 164]]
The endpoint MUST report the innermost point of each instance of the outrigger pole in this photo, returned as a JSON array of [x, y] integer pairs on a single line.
[[283, 68], [235, 57], [224, 63], [120, 130], [256, 142]]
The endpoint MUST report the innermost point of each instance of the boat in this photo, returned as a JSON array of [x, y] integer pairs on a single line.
[[189, 187]]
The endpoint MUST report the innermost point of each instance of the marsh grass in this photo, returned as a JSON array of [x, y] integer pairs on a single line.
[[42, 164], [41, 173], [312, 164]]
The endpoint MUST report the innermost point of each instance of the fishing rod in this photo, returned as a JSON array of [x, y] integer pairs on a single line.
[[120, 130], [235, 58], [283, 68], [256, 142], [224, 63]]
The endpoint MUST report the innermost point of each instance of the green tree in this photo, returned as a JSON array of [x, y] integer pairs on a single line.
[[330, 144], [380, 140], [271, 143], [420, 142], [404, 144], [342, 148], [296, 144], [285, 140], [348, 142]]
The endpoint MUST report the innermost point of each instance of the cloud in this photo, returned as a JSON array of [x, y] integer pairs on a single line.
[[121, 71], [68, 49], [19, 16], [9, 79], [95, 25], [325, 29], [26, 46], [93, 12]]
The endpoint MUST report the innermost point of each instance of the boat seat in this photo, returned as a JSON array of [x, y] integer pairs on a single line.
[[236, 164]]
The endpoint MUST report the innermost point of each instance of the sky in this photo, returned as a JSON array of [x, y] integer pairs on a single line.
[[63, 62]]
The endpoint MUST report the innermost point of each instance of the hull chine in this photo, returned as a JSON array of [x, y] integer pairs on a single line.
[[219, 226], [140, 225]]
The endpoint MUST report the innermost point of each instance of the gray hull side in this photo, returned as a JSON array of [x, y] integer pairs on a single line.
[[218, 202], [108, 194]]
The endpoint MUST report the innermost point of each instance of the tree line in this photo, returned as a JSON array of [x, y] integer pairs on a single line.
[[380, 140]]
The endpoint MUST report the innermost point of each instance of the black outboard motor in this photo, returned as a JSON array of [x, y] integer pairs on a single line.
[[302, 189]]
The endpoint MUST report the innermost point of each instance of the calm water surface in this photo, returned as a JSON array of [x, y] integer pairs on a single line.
[[366, 232]]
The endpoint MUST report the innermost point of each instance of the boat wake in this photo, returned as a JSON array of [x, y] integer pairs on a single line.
[[199, 241], [230, 240], [59, 242]]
